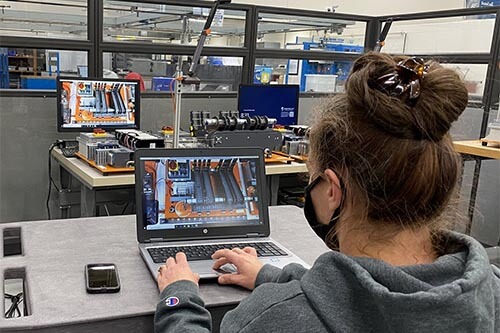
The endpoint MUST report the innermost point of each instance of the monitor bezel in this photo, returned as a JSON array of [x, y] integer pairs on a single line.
[[60, 124], [145, 236], [278, 86]]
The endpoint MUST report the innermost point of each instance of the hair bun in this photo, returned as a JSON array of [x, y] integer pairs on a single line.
[[443, 97]]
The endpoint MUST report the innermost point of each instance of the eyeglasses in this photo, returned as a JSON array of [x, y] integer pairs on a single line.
[[406, 77]]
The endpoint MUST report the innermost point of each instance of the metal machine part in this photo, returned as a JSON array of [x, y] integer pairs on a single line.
[[303, 149], [296, 141], [120, 157], [224, 124], [231, 123], [134, 139], [228, 130], [267, 139]]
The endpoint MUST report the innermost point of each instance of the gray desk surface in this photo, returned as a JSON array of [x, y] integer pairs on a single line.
[[56, 251]]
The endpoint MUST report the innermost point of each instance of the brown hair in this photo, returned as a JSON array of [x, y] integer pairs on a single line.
[[396, 158]]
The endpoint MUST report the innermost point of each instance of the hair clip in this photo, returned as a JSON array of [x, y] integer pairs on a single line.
[[406, 77]]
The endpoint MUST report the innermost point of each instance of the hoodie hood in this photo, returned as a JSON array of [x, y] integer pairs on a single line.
[[459, 292]]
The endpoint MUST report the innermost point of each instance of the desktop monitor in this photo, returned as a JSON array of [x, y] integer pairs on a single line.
[[274, 101], [83, 71], [84, 104]]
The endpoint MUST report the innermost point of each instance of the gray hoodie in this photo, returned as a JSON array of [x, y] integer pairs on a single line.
[[459, 292]]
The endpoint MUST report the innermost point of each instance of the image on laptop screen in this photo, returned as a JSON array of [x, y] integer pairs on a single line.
[[191, 192]]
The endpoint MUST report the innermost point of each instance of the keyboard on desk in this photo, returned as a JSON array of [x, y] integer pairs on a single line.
[[204, 252]]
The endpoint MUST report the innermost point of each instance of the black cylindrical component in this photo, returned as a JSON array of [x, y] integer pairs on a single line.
[[271, 121], [251, 123], [240, 123], [224, 113], [196, 120], [205, 115], [233, 122], [261, 122]]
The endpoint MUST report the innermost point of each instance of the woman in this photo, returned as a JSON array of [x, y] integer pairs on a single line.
[[383, 169]]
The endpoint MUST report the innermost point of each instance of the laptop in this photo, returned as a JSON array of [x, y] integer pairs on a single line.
[[199, 200]]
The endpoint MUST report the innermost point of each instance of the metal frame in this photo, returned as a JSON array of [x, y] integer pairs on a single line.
[[439, 14], [95, 46], [492, 85]]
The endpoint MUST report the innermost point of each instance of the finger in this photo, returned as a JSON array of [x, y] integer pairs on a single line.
[[230, 255], [219, 253], [220, 262], [170, 261], [181, 258], [196, 277], [250, 250], [222, 253], [231, 279]]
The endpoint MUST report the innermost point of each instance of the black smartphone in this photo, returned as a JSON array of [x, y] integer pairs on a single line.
[[102, 278]]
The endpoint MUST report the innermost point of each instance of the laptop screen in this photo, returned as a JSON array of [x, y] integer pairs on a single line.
[[184, 192]]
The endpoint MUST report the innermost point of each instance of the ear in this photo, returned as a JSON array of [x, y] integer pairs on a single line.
[[335, 189]]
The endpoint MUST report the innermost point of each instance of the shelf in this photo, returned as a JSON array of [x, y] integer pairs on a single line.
[[21, 57]]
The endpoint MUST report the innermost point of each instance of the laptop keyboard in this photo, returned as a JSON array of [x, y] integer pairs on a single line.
[[204, 252]]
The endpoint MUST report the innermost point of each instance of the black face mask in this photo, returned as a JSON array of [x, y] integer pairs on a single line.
[[321, 230]]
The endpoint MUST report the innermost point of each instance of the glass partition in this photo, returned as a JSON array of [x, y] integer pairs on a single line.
[[157, 70], [493, 131], [474, 76], [60, 19], [461, 34], [38, 68], [156, 23], [468, 125], [495, 105], [276, 31], [319, 76]]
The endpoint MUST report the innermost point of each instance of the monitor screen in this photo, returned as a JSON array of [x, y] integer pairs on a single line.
[[83, 71], [84, 104], [274, 101], [193, 192]]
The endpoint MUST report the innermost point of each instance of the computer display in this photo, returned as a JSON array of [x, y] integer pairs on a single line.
[[84, 104], [190, 192], [83, 71], [274, 101]]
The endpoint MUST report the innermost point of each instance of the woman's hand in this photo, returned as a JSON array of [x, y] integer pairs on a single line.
[[245, 261], [175, 270]]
